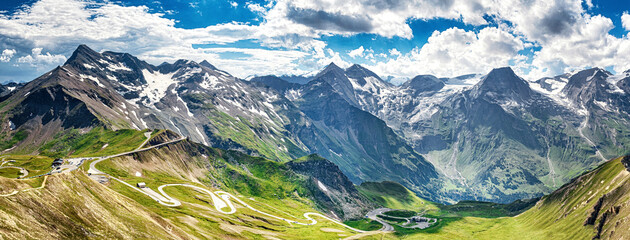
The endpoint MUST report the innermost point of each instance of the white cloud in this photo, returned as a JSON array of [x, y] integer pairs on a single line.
[[625, 21], [455, 52], [37, 59], [234, 4], [356, 52], [7, 54], [255, 7], [61, 25], [566, 34], [394, 52]]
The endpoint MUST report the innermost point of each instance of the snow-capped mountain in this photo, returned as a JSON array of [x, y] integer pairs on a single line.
[[490, 137], [496, 135], [197, 100]]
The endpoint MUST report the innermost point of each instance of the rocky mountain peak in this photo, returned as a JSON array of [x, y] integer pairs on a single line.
[[179, 64], [503, 82], [590, 84], [331, 68], [424, 83], [582, 78], [207, 64], [83, 55], [358, 71], [332, 65]]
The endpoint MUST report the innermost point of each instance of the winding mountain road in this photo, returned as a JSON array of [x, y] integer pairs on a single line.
[[373, 215], [220, 199], [26, 190]]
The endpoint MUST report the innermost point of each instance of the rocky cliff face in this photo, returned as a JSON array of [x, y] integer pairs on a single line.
[[333, 190]]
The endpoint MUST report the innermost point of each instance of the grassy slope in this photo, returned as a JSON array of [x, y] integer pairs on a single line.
[[265, 184], [35, 165], [73, 143], [86, 208], [395, 196], [560, 215], [71, 206]]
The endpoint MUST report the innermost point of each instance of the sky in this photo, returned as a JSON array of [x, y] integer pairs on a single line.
[[397, 39]]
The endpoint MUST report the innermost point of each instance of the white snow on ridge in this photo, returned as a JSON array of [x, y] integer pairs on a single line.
[[157, 85], [118, 67], [612, 81], [189, 73], [293, 94], [209, 82], [185, 106], [372, 84], [91, 78], [603, 105], [103, 61], [322, 186], [556, 85], [202, 137]]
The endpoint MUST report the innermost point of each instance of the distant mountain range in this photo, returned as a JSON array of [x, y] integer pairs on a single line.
[[492, 137]]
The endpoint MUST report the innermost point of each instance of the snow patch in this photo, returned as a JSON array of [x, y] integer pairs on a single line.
[[118, 67], [612, 81], [202, 137], [293, 94], [157, 85], [178, 130], [90, 77], [322, 186], [185, 106], [603, 105]]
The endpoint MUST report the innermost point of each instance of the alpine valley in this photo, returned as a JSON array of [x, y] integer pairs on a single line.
[[185, 150]]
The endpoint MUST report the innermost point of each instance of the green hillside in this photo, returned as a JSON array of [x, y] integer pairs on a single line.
[[601, 193]]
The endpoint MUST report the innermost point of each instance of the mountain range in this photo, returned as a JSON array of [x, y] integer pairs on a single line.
[[493, 137], [474, 156]]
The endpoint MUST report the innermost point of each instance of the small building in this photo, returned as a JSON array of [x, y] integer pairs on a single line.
[[141, 185], [57, 163], [420, 219]]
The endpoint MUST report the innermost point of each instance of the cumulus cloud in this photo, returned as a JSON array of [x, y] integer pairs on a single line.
[[59, 26], [625, 21], [37, 59], [456, 52], [323, 20], [7, 54], [356, 52], [255, 7], [565, 35], [394, 52]]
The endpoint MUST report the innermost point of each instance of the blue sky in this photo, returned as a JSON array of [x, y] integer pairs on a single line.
[[397, 39]]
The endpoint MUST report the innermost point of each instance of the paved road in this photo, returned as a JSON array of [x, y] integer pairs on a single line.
[[93, 170], [23, 171], [148, 136], [220, 199], [373, 215], [26, 190]]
